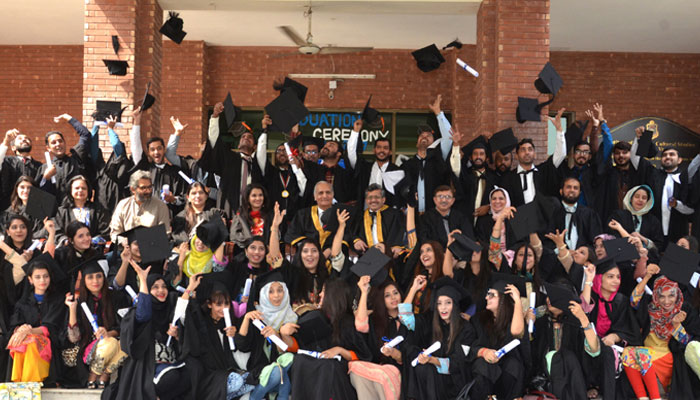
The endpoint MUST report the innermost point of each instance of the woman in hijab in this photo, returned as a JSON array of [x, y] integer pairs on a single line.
[[662, 316], [267, 365], [636, 220], [499, 201]]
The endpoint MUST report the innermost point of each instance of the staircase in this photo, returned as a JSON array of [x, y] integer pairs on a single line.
[[70, 394]]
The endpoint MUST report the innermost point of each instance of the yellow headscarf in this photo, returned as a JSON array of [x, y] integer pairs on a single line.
[[197, 261]]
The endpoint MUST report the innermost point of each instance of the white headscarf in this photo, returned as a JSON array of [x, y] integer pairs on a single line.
[[505, 193], [627, 202], [276, 316]]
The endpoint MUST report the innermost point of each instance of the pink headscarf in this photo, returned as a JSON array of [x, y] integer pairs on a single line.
[[602, 323]]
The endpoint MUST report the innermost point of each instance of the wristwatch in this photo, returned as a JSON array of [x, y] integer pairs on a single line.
[[589, 326]]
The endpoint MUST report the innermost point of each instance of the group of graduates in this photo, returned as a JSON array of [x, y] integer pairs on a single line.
[[322, 272]]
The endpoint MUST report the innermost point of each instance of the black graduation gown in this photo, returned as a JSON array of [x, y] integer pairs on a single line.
[[375, 344], [226, 163], [433, 168], [466, 186], [208, 357], [36, 225], [330, 376], [585, 219], [391, 229], [609, 182], [73, 163], [585, 175], [545, 179], [167, 175], [423, 381], [363, 171], [12, 292], [650, 229], [113, 181], [306, 224], [13, 167], [254, 343], [431, 226], [566, 379], [98, 222], [488, 376], [50, 314], [678, 223], [180, 233], [344, 184], [278, 180]]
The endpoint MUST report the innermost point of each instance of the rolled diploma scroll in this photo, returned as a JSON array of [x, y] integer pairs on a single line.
[[49, 163], [35, 245], [316, 354], [246, 288], [89, 316], [275, 339], [507, 348], [131, 292], [531, 323], [227, 320], [394, 342], [467, 68], [186, 178], [430, 350], [175, 318], [646, 287]]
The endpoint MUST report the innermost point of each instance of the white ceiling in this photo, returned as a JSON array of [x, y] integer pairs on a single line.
[[592, 25]]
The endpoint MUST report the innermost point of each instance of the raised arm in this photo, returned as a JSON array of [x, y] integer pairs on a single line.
[[337, 247], [135, 143], [261, 151], [560, 147], [174, 142], [517, 324], [353, 142], [114, 141], [362, 315], [213, 133], [444, 126], [275, 254], [6, 143]]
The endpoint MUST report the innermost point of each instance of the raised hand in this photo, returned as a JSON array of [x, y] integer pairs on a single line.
[[218, 109], [136, 114], [266, 122], [652, 269], [457, 136], [599, 109], [363, 284], [179, 128], [111, 121], [435, 106], [557, 120], [557, 237], [10, 137], [278, 215], [343, 217], [514, 293], [50, 226], [614, 225], [592, 117], [639, 131], [357, 125], [678, 318], [419, 283], [62, 117]]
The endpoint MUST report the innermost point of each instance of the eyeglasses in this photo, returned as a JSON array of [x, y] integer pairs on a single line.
[[311, 152], [374, 197], [490, 295], [444, 196], [145, 187], [583, 152]]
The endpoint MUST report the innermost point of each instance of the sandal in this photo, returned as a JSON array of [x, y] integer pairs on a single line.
[[593, 393], [91, 385], [102, 384]]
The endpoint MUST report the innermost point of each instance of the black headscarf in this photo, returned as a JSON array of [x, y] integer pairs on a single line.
[[162, 310]]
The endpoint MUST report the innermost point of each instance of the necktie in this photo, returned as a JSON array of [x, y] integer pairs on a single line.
[[446, 223], [421, 168], [524, 175], [480, 187], [244, 174], [373, 214]]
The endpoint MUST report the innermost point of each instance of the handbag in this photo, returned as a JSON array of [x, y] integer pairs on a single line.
[[239, 231], [70, 356]]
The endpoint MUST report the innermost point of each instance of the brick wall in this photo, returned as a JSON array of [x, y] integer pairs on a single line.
[[38, 83]]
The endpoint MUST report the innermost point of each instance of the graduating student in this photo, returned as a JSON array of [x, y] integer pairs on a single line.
[[77, 249], [267, 364], [427, 264], [36, 324], [18, 206], [19, 163], [204, 253], [308, 223], [563, 338], [428, 167], [254, 215], [437, 222], [498, 325], [529, 179], [237, 169], [582, 223], [635, 219], [370, 173], [251, 266], [380, 223], [112, 181], [77, 206], [661, 316], [499, 200], [331, 332], [331, 171], [198, 208], [65, 165], [444, 373], [99, 352]]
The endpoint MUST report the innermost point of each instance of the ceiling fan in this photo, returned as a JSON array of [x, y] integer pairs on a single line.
[[309, 47]]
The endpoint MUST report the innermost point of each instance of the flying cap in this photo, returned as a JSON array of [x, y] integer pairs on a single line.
[[574, 133], [679, 264], [621, 249], [372, 116], [529, 110], [499, 282], [372, 263], [645, 146], [116, 67], [428, 58], [40, 204], [148, 99], [286, 111], [115, 43], [298, 89], [503, 141], [527, 219], [406, 189], [548, 80], [104, 109], [172, 28], [463, 246], [153, 243], [213, 232]]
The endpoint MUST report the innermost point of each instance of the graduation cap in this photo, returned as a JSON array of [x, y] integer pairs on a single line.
[[172, 28], [605, 264], [499, 282], [92, 265], [372, 116], [455, 43], [40, 204], [45, 259], [153, 242], [679, 264], [478, 142], [115, 43], [221, 281], [406, 189], [446, 286], [105, 108], [148, 99], [273, 275], [372, 263], [574, 133], [503, 141], [462, 247], [230, 111], [298, 89], [313, 327], [548, 80], [527, 219], [428, 58], [213, 232], [529, 109], [286, 111], [116, 67], [561, 295], [645, 146], [621, 249]]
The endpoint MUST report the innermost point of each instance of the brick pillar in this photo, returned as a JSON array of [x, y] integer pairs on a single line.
[[512, 47], [136, 22]]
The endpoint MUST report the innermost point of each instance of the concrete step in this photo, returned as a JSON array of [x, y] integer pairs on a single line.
[[70, 394]]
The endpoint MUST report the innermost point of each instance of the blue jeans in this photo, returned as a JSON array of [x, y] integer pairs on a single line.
[[274, 385]]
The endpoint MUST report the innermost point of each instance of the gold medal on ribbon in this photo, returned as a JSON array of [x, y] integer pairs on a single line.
[[285, 194]]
